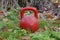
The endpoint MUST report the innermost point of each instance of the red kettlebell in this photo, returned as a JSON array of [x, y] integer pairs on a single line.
[[29, 22]]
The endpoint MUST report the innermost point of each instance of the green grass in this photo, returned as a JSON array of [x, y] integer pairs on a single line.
[[13, 31]]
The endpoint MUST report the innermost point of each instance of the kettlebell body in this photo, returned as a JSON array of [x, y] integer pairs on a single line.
[[29, 22]]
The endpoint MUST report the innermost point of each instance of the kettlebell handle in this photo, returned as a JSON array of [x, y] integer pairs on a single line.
[[29, 8]]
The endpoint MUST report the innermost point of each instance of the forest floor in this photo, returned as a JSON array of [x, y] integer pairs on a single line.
[[49, 28]]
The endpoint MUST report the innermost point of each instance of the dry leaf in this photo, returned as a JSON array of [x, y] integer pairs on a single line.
[[26, 38], [5, 19]]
